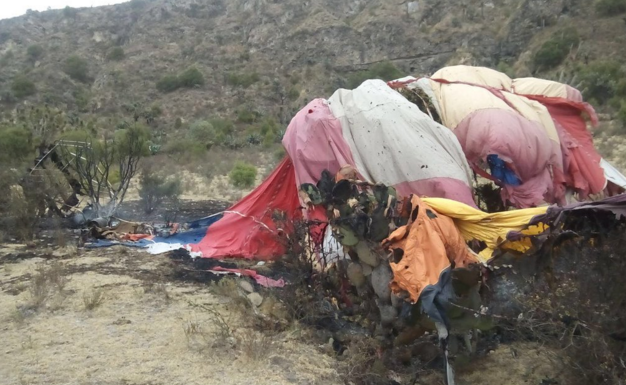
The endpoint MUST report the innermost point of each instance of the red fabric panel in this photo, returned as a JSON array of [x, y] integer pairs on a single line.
[[582, 164], [247, 229]]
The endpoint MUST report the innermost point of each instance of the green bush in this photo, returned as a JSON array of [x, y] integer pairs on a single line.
[[22, 86], [610, 7], [247, 115], [34, 52], [116, 54], [168, 83], [621, 115], [243, 175], [279, 154], [77, 68], [154, 189], [601, 80], [506, 68], [137, 4], [178, 147], [222, 126], [620, 90], [293, 94], [554, 51], [244, 80], [202, 132], [69, 12], [385, 70], [190, 78], [82, 97], [15, 145]]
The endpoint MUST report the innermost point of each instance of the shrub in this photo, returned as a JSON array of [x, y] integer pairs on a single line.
[[34, 52], [77, 68], [269, 139], [177, 147], [6, 58], [506, 68], [279, 154], [192, 77], [69, 12], [116, 54], [15, 145], [385, 70], [168, 83], [82, 97], [154, 189], [610, 7], [22, 86], [202, 132], [620, 90], [601, 80], [222, 126], [137, 4], [554, 51], [243, 175], [246, 115], [242, 80], [293, 94], [621, 115]]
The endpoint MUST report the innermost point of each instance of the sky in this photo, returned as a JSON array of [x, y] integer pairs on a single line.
[[12, 8]]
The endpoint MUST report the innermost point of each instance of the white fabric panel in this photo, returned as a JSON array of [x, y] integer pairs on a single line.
[[475, 75], [392, 141], [612, 174], [535, 86]]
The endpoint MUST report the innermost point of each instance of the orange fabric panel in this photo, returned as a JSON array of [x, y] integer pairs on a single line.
[[430, 243]]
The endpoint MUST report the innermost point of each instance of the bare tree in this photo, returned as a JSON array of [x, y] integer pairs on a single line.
[[96, 163]]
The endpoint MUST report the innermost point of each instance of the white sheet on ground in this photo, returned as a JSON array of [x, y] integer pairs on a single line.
[[612, 174]]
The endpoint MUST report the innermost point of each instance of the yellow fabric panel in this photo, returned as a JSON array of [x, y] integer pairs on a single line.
[[476, 75], [534, 111], [491, 228], [458, 101], [534, 86], [524, 244]]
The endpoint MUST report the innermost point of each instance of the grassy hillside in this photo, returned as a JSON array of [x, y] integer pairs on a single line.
[[231, 74]]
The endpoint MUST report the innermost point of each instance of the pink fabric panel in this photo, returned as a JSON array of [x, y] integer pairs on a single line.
[[523, 144], [573, 94], [314, 142], [438, 187]]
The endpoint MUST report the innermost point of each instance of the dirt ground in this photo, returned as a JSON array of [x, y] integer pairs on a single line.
[[118, 317]]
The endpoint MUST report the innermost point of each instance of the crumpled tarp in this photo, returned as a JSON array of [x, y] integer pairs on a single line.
[[314, 142], [394, 143], [188, 233], [489, 112], [490, 228], [251, 228], [424, 249], [584, 173]]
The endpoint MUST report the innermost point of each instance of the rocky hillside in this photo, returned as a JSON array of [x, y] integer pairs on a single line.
[[269, 57]]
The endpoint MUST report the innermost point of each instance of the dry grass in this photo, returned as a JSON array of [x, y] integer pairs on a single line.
[[158, 290], [215, 332], [254, 346], [47, 282], [93, 298]]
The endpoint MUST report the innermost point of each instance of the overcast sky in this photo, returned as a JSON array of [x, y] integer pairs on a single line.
[[12, 8]]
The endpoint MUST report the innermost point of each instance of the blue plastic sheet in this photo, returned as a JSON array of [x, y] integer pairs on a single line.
[[501, 171], [197, 231]]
